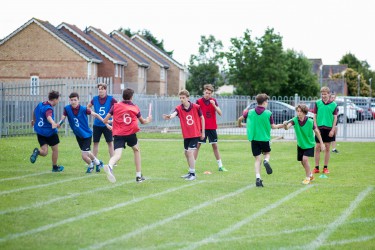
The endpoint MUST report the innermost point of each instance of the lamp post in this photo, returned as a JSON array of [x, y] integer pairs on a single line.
[[359, 83], [370, 87]]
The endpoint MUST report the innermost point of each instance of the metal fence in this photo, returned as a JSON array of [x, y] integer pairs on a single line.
[[17, 105]]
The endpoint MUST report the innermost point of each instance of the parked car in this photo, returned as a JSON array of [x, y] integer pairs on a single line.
[[373, 110], [350, 114], [365, 104], [351, 111], [281, 111]]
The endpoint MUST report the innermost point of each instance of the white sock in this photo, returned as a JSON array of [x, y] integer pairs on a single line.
[[138, 174], [96, 161], [257, 176], [219, 163], [192, 170]]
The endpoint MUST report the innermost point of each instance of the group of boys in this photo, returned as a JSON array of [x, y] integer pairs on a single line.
[[197, 121], [313, 135], [124, 128]]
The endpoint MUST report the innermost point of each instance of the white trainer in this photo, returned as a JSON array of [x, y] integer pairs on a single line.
[[110, 176]]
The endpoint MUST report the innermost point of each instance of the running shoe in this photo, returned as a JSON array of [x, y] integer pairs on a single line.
[[110, 176], [191, 177], [267, 166], [34, 155], [58, 169], [98, 167], [325, 171], [316, 171], [140, 179], [259, 182], [305, 182], [223, 169]]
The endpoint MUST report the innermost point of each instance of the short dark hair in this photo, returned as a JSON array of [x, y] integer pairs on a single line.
[[261, 98], [303, 108], [102, 84], [53, 95], [127, 94], [208, 87], [74, 94]]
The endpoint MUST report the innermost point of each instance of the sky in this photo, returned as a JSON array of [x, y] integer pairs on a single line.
[[325, 29]]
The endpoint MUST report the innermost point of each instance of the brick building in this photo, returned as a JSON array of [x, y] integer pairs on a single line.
[[42, 51]]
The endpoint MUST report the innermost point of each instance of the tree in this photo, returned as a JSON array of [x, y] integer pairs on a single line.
[[363, 68], [351, 78], [242, 64], [204, 67], [146, 34], [301, 79]]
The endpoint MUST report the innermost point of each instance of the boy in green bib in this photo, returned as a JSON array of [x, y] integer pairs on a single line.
[[259, 122], [304, 129], [325, 118]]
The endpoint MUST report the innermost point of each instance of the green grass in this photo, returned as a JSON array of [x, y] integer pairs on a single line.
[[73, 210]]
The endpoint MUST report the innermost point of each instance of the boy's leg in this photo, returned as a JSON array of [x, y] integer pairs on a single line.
[[197, 151], [43, 151], [108, 168], [95, 149], [137, 158], [55, 153], [111, 151], [267, 156]]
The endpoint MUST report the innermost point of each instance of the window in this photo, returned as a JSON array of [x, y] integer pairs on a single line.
[[116, 70], [162, 74], [89, 69], [34, 85]]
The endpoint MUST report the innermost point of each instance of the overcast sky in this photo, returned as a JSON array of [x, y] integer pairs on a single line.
[[325, 29]]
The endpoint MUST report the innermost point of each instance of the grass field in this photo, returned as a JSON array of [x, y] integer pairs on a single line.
[[73, 210]]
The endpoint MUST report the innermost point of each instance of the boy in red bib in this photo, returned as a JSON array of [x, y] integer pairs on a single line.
[[124, 128], [193, 128]]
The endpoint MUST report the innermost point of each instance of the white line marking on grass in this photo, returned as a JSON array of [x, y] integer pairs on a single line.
[[92, 213], [316, 243], [169, 219], [70, 196], [24, 176], [225, 232], [349, 241], [43, 185], [286, 231]]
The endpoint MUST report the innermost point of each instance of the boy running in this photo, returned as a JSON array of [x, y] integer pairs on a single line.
[[125, 126], [78, 121], [193, 129], [209, 107], [46, 130], [259, 122], [304, 129]]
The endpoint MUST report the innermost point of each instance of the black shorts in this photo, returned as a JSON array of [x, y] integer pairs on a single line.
[[211, 134], [309, 152], [258, 147], [84, 143], [324, 133], [191, 143], [50, 141], [98, 131], [120, 141]]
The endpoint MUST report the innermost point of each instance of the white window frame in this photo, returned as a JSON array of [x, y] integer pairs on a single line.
[[89, 64], [116, 70], [162, 74], [34, 85]]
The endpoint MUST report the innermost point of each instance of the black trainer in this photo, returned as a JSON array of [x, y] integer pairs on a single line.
[[267, 166], [140, 179], [34, 155], [259, 182]]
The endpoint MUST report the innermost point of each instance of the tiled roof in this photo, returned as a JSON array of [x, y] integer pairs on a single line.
[[152, 53], [95, 43], [71, 41], [121, 46], [158, 51], [124, 39]]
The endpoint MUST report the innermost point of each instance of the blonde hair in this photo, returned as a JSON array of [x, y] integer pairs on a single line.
[[325, 89], [184, 92]]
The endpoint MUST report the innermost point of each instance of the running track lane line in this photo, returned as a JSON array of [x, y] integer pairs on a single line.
[[44, 185], [24, 176], [169, 219], [92, 213], [228, 230]]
